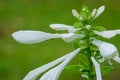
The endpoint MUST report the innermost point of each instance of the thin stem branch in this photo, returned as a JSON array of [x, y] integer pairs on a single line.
[[90, 64]]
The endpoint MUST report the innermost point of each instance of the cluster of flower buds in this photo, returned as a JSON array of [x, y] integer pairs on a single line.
[[76, 32]]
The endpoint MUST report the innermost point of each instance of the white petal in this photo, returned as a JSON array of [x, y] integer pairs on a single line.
[[54, 73], [97, 69], [32, 75], [71, 36], [29, 36], [94, 12], [100, 11], [117, 59], [75, 13], [106, 34]]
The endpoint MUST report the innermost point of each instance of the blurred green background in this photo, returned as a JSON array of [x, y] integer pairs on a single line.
[[16, 59]]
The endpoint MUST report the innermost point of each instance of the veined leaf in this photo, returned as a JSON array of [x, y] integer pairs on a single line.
[[76, 68]]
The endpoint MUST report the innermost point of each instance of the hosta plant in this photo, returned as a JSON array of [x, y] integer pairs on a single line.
[[84, 37]]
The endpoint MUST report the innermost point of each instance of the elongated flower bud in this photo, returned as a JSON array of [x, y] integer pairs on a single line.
[[99, 11], [60, 26], [29, 36], [64, 27], [32, 75], [93, 13], [108, 34], [75, 13], [54, 73], [97, 68]]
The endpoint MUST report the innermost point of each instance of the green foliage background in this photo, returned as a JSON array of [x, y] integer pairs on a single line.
[[16, 59]]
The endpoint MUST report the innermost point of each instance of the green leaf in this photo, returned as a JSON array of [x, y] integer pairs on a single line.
[[85, 13], [76, 44], [73, 68], [99, 28], [107, 69], [76, 68], [83, 63], [78, 24]]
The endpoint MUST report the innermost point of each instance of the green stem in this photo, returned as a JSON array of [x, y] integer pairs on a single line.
[[90, 64]]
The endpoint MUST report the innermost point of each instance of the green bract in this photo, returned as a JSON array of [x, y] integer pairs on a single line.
[[85, 13]]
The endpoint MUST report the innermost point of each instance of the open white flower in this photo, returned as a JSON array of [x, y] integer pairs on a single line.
[[97, 12], [108, 51], [108, 34], [30, 37], [97, 69], [70, 29], [53, 73]]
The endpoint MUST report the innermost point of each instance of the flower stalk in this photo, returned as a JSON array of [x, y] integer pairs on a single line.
[[88, 41]]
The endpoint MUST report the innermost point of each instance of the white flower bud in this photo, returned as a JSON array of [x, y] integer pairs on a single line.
[[76, 14], [107, 50], [107, 34], [94, 12], [64, 27], [60, 26], [32, 75], [97, 69], [29, 36], [99, 12], [71, 36], [54, 73]]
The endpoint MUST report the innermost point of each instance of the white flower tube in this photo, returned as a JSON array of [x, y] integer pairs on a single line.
[[54, 73], [71, 36], [108, 34], [32, 75], [64, 27], [97, 69], [29, 36], [107, 50], [99, 12]]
